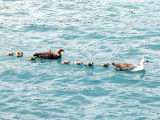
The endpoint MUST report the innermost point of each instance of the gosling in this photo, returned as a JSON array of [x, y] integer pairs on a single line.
[[105, 64], [19, 54], [89, 64], [32, 58], [10, 53], [78, 63], [65, 62]]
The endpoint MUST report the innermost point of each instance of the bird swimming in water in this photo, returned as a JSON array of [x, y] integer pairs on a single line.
[[89, 64], [78, 63], [19, 54], [105, 64], [49, 55], [65, 62], [130, 67], [32, 58], [10, 53]]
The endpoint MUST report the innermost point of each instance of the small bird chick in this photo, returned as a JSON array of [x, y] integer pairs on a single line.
[[32, 58], [105, 64], [89, 64], [65, 62], [10, 53], [19, 54], [78, 63]]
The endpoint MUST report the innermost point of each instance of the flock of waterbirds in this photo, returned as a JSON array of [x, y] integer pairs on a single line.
[[50, 55]]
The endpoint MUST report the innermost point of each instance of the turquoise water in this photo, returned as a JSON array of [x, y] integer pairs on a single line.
[[96, 31]]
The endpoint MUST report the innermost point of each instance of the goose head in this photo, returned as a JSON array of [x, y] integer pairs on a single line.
[[144, 60], [60, 50]]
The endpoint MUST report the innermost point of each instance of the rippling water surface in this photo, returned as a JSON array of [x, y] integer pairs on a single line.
[[96, 31]]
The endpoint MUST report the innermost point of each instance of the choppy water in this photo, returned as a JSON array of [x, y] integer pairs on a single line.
[[89, 31]]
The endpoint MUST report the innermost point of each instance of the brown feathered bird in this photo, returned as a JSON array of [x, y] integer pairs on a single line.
[[46, 53], [49, 55], [124, 66]]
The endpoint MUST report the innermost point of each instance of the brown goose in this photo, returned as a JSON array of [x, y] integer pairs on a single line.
[[49, 55]]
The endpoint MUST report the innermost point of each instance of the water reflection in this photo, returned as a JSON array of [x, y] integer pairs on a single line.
[[141, 73], [89, 70]]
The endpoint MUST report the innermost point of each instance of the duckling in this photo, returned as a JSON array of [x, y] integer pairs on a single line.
[[89, 64], [32, 58], [65, 62], [105, 64], [10, 53], [78, 63], [19, 54]]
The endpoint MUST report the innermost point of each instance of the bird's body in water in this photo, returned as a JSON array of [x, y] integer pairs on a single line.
[[46, 53], [78, 63], [19, 54], [10, 53], [89, 64], [32, 58], [105, 64], [129, 66], [49, 55], [65, 62]]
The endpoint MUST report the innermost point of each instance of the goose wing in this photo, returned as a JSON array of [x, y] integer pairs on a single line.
[[40, 54], [125, 66], [43, 54], [49, 56]]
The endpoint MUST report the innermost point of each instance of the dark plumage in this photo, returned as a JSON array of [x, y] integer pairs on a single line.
[[46, 53], [49, 55]]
